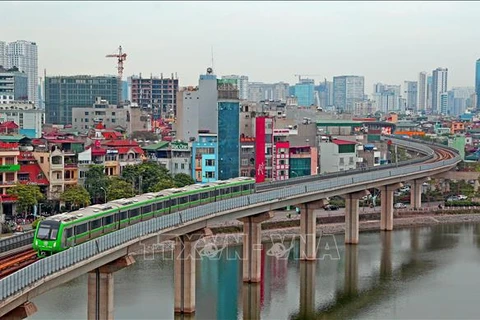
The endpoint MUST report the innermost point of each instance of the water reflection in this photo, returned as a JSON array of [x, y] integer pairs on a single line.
[[386, 258], [251, 301], [307, 289], [374, 279], [351, 270]]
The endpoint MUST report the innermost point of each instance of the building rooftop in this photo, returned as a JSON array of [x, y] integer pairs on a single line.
[[343, 142], [12, 138], [338, 123], [156, 146]]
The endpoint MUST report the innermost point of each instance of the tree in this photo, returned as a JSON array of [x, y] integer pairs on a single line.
[[162, 185], [119, 188], [27, 195], [76, 196], [95, 181], [182, 180], [145, 176]]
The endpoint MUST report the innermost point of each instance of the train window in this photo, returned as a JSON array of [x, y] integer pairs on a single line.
[[81, 228], [95, 224], [159, 206], [123, 215], [246, 187], [107, 220], [134, 212], [194, 197], [182, 200], [217, 192], [204, 195], [68, 232], [173, 202], [236, 189], [146, 209]]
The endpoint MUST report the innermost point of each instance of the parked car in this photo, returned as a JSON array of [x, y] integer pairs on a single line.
[[399, 205], [330, 207], [453, 198], [462, 197]]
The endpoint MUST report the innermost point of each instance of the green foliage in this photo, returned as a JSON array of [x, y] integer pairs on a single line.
[[27, 195], [36, 222], [96, 179], [145, 176], [163, 184], [182, 180], [76, 196], [462, 187], [119, 188]]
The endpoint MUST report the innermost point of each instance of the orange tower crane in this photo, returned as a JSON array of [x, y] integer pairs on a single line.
[[121, 58]]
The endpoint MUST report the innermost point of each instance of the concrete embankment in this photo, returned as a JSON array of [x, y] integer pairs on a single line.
[[230, 233]]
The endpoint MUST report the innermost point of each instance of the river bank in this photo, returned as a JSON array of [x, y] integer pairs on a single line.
[[229, 233]]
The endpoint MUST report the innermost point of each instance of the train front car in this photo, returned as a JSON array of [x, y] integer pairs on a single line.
[[46, 240]]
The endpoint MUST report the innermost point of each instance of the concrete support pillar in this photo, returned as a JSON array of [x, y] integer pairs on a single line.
[[100, 289], [352, 216], [386, 258], [21, 312], [307, 289], [416, 194], [351, 270], [386, 214], [184, 265], [308, 229], [252, 246], [251, 297]]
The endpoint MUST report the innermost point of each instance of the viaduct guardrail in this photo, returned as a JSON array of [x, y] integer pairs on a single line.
[[14, 286]]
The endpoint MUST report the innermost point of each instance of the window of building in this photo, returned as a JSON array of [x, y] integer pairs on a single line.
[[86, 113], [341, 162], [176, 165], [182, 166], [244, 162], [350, 160], [209, 174], [10, 176], [41, 159], [210, 162], [10, 160]]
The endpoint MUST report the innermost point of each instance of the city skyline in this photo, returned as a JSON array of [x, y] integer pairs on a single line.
[[246, 49]]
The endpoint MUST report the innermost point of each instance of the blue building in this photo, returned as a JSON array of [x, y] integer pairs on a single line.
[[228, 139], [204, 158], [125, 90], [304, 91], [13, 84]]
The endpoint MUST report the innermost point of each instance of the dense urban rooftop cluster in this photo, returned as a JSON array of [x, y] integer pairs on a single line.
[[52, 131]]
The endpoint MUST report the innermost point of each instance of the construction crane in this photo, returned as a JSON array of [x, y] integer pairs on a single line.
[[306, 75], [121, 57]]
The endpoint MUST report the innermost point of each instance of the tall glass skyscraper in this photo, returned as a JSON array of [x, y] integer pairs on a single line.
[[64, 93], [304, 91]]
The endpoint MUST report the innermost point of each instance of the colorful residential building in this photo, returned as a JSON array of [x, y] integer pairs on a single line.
[[303, 161], [204, 158], [337, 155]]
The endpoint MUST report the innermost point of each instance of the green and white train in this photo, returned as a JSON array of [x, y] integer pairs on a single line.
[[60, 232]]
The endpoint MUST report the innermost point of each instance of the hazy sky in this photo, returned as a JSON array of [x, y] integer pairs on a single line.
[[269, 41]]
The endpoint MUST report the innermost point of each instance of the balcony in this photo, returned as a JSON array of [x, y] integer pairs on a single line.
[[111, 163], [10, 168], [71, 165]]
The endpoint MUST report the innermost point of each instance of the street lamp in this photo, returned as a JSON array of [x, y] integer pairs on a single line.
[[296, 174], [105, 192]]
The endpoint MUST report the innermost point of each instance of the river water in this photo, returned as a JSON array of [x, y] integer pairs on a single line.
[[419, 273]]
